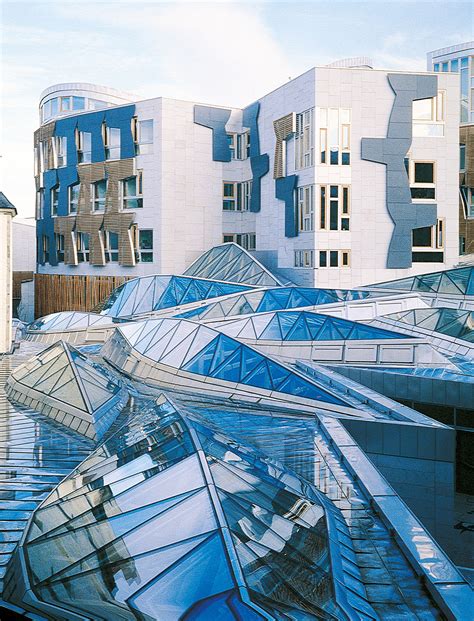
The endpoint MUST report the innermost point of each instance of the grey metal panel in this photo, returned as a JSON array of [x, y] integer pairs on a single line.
[[391, 151], [215, 119]]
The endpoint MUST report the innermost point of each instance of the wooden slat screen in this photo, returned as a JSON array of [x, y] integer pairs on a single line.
[[58, 292]]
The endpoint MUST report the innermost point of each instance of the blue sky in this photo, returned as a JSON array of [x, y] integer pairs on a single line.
[[219, 52]]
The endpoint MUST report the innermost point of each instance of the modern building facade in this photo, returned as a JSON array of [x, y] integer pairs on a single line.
[[24, 267], [337, 178], [7, 213], [460, 59]]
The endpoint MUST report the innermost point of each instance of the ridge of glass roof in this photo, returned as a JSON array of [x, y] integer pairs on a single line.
[[297, 325], [456, 281], [453, 322], [152, 293], [232, 263]]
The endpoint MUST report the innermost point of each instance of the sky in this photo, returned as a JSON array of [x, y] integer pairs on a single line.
[[222, 52]]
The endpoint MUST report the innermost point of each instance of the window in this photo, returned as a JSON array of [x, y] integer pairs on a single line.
[[98, 192], [428, 116], [59, 144], [335, 207], [239, 145], [430, 237], [96, 104], [304, 258], [422, 180], [40, 204], [334, 258], [143, 132], [334, 136], [54, 200], [73, 197], [467, 196], [78, 103], [112, 143], [245, 240], [236, 196], [82, 247], [45, 249], [304, 139], [462, 245], [145, 246], [462, 157], [464, 73], [132, 192], [59, 241], [111, 246], [84, 147], [306, 208], [455, 65]]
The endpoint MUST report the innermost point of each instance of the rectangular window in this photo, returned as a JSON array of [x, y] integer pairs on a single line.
[[306, 208], [470, 202], [59, 239], [304, 258], [45, 248], [111, 246], [422, 180], [239, 145], [78, 103], [335, 136], [112, 143], [428, 116], [59, 146], [98, 192], [339, 207], [84, 147], [236, 196], [455, 65], [54, 200], [40, 204], [246, 240], [144, 140], [337, 258], [73, 197], [82, 247], [462, 157], [322, 218], [132, 192], [430, 237], [145, 246], [304, 139], [462, 245]]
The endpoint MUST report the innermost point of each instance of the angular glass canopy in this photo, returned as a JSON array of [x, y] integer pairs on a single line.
[[69, 320], [450, 321], [302, 326], [458, 281], [153, 293], [170, 520], [232, 263], [273, 300], [198, 349], [67, 386]]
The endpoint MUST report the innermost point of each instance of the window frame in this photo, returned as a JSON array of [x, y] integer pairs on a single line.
[[71, 201], [83, 156], [304, 258], [97, 201], [54, 198], [421, 185], [305, 198], [139, 191]]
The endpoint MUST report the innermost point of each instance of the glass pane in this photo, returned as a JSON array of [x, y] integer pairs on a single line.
[[422, 236], [424, 172], [78, 103]]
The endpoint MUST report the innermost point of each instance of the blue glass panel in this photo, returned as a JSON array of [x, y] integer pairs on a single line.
[[260, 377], [201, 363], [225, 347], [278, 374], [250, 360], [230, 369], [299, 331], [329, 331], [272, 331]]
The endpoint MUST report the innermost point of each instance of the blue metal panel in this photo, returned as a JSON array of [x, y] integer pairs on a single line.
[[67, 127], [50, 180], [285, 191], [391, 151], [67, 176], [259, 165], [250, 120], [215, 119]]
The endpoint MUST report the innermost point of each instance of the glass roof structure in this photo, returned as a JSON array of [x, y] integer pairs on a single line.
[[458, 281], [302, 326], [70, 320], [273, 300], [232, 263], [179, 470], [450, 321], [154, 293], [200, 350], [68, 386], [235, 534]]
